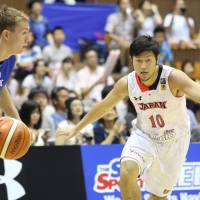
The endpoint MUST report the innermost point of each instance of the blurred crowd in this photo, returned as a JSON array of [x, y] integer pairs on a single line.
[[53, 90]]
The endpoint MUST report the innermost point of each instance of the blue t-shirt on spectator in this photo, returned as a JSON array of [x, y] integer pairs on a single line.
[[6, 68], [58, 117], [100, 134], [40, 30], [166, 54]]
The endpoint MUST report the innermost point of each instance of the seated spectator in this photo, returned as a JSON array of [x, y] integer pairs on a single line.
[[75, 112], [147, 18], [58, 96], [30, 114], [41, 96], [180, 27], [17, 92], [109, 130], [26, 59], [166, 55], [188, 68], [38, 78], [120, 29], [39, 25], [54, 53], [89, 77], [67, 76]]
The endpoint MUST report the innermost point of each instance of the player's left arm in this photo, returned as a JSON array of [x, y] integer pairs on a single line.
[[185, 85], [7, 105]]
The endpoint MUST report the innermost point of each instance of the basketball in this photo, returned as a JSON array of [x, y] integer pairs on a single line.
[[15, 138]]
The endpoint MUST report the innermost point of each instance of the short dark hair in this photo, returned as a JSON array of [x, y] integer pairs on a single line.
[[60, 28], [56, 90], [31, 3], [37, 90], [144, 43], [68, 60], [27, 109], [159, 29]]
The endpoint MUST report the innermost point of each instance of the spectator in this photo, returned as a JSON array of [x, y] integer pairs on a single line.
[[39, 25], [89, 77], [120, 29], [166, 55], [75, 112], [109, 130], [56, 52], [147, 18], [41, 96], [30, 114], [38, 78], [58, 96], [26, 59], [188, 68], [180, 27], [67, 76]]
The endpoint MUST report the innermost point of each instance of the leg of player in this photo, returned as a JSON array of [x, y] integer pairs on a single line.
[[153, 197], [129, 172]]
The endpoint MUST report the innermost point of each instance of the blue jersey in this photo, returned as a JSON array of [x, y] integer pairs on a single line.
[[6, 68]]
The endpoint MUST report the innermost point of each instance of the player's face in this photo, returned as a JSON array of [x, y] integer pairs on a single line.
[[145, 65], [18, 39], [77, 107]]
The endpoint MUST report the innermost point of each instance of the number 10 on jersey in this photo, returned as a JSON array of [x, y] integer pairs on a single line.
[[157, 121]]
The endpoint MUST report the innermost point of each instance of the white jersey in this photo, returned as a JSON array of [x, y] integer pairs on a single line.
[[160, 115]]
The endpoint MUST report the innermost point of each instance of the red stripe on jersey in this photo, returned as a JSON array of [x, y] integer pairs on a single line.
[[141, 85]]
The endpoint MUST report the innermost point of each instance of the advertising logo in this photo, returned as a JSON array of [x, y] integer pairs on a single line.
[[14, 189]]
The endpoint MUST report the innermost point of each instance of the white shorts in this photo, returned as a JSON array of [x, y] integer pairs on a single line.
[[159, 164]]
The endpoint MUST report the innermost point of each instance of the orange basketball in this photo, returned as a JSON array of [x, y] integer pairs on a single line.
[[15, 138]]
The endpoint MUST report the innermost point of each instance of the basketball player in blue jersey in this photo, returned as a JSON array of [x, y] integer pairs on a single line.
[[157, 147], [14, 29]]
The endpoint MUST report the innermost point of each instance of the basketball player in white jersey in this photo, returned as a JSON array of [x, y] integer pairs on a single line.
[[157, 147]]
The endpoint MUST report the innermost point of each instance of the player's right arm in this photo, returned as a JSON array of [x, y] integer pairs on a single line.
[[119, 91]]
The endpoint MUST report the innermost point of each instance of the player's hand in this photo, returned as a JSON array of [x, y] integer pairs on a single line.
[[64, 135]]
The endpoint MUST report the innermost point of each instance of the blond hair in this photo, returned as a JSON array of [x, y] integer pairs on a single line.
[[9, 17]]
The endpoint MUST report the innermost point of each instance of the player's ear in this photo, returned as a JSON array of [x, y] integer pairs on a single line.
[[131, 64], [5, 34]]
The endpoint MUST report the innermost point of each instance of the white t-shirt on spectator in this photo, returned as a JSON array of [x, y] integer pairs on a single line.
[[148, 26], [72, 83], [87, 130], [87, 78], [54, 55], [29, 82], [180, 29]]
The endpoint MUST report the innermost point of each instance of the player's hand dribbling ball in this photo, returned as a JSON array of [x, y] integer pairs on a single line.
[[15, 138]]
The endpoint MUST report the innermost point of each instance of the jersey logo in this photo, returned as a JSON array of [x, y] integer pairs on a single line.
[[138, 98], [163, 84], [151, 105]]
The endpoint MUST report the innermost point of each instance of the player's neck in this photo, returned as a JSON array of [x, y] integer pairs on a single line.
[[4, 52], [152, 79]]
